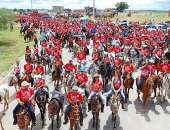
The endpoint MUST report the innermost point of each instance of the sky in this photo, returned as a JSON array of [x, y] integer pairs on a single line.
[[78, 4]]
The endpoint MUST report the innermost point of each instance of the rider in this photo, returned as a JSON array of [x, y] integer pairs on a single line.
[[56, 94], [39, 69], [117, 87], [24, 97], [42, 88], [96, 88], [28, 68], [72, 97], [16, 70]]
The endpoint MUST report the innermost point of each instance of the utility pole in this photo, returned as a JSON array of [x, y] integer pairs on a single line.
[[93, 9], [31, 4]]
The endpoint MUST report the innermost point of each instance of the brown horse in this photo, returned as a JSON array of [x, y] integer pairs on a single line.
[[54, 110], [114, 104], [95, 106], [28, 58], [74, 117], [28, 78], [157, 79], [146, 89], [128, 84], [23, 119], [56, 75]]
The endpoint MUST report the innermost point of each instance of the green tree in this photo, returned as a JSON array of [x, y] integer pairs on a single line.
[[121, 6]]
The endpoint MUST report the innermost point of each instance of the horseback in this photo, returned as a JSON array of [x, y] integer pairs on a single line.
[[41, 98], [57, 72], [73, 110], [24, 113], [128, 81], [145, 83], [96, 100], [55, 107]]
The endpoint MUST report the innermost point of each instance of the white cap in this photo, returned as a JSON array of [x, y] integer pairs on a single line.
[[25, 83], [75, 88]]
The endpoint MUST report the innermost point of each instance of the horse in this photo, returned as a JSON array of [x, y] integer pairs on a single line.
[[114, 104], [146, 89], [165, 86], [28, 58], [74, 117], [4, 96], [56, 75], [28, 78], [54, 110], [157, 79], [105, 73], [41, 100], [128, 84], [46, 61], [14, 81], [95, 106], [23, 119]]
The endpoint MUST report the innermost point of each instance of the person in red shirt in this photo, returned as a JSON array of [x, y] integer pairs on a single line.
[[117, 88], [74, 97], [28, 68], [24, 97], [145, 72], [39, 69], [96, 88]]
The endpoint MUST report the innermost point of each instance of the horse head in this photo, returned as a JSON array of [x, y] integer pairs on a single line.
[[23, 118], [53, 107], [95, 103]]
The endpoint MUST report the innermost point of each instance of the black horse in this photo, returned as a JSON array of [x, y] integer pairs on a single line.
[[41, 98]]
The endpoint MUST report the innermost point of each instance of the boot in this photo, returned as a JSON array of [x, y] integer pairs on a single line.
[[81, 123], [107, 101], [89, 107], [15, 120], [65, 119], [102, 108]]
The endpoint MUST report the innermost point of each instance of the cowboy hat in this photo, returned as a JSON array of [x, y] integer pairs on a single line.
[[25, 83], [96, 75]]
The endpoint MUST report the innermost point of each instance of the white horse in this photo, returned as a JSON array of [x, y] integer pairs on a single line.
[[4, 98], [165, 87]]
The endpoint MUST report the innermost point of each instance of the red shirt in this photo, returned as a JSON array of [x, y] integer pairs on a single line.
[[95, 56], [39, 69], [116, 84], [145, 72], [81, 77], [74, 97], [69, 67], [28, 68], [96, 86], [24, 94], [81, 55]]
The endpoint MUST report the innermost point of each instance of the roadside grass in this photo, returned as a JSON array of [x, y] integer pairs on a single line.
[[12, 48], [157, 17]]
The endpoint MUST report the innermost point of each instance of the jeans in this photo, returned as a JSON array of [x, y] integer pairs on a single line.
[[121, 92], [100, 94], [29, 108], [68, 111]]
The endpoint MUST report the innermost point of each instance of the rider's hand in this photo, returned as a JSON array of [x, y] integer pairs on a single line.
[[21, 103]]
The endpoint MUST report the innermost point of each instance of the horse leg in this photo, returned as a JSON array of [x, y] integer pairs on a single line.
[[58, 119], [155, 91], [114, 121], [52, 124], [1, 124], [93, 121]]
